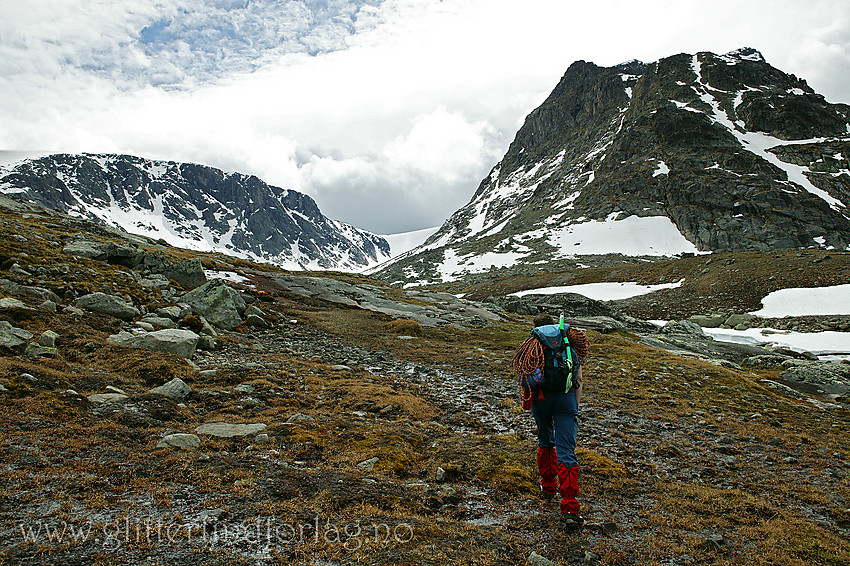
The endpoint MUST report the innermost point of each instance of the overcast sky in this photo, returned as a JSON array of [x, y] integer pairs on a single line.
[[387, 112]]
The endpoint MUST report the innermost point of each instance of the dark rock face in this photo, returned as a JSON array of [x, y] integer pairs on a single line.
[[737, 154], [194, 206]]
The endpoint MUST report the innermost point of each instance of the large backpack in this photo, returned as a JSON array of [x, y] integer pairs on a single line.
[[546, 361], [560, 361]]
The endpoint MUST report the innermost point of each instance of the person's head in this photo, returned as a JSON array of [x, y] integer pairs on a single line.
[[543, 319]]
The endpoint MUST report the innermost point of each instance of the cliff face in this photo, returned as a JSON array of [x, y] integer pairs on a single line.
[[691, 153], [195, 206]]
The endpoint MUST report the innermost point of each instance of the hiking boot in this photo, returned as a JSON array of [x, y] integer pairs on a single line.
[[573, 520], [547, 495]]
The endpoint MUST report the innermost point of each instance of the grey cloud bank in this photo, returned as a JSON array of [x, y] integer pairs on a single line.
[[388, 113]]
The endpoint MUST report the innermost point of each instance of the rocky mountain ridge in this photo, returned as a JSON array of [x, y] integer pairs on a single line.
[[689, 154], [195, 207]]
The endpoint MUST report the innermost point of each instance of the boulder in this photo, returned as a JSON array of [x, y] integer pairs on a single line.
[[180, 440], [227, 430], [35, 350], [176, 389], [739, 320], [708, 321], [188, 273], [764, 361], [159, 322], [172, 340], [173, 312], [48, 339], [13, 338], [683, 327], [100, 398], [10, 303], [109, 305], [117, 253], [39, 292], [218, 303]]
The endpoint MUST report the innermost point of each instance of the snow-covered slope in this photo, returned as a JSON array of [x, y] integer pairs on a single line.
[[690, 154], [195, 207]]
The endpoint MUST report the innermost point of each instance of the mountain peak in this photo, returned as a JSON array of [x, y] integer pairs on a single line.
[[747, 54], [690, 154]]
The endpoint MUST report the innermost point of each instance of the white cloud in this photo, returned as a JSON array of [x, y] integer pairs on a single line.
[[393, 124]]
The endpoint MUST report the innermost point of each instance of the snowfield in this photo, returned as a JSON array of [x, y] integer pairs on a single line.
[[806, 302], [602, 291], [819, 343]]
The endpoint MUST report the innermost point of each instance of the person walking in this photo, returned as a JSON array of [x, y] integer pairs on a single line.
[[555, 406]]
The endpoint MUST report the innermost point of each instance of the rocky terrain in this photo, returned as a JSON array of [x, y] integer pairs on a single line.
[[194, 206], [694, 152], [164, 406]]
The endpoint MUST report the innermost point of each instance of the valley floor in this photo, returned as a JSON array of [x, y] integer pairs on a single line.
[[390, 443], [682, 462]]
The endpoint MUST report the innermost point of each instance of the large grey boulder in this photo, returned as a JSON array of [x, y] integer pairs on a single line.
[[708, 321], [13, 338], [16, 289], [227, 430], [176, 389], [109, 305], [117, 253], [683, 328], [188, 273], [218, 303], [823, 377], [173, 340]]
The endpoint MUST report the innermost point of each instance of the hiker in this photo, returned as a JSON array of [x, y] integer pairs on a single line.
[[554, 405]]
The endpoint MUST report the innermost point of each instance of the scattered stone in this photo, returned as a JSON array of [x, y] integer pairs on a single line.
[[16, 269], [256, 321], [535, 559], [109, 305], [159, 322], [440, 476], [298, 417], [176, 389], [128, 255], [261, 438], [36, 351], [244, 388], [218, 303], [100, 398], [10, 303], [208, 372], [683, 327], [48, 339], [13, 338], [188, 273], [708, 321], [227, 430], [737, 320], [766, 360], [368, 464], [173, 312], [174, 341], [180, 440], [48, 306], [146, 326], [113, 389], [3, 389], [340, 368], [39, 292]]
